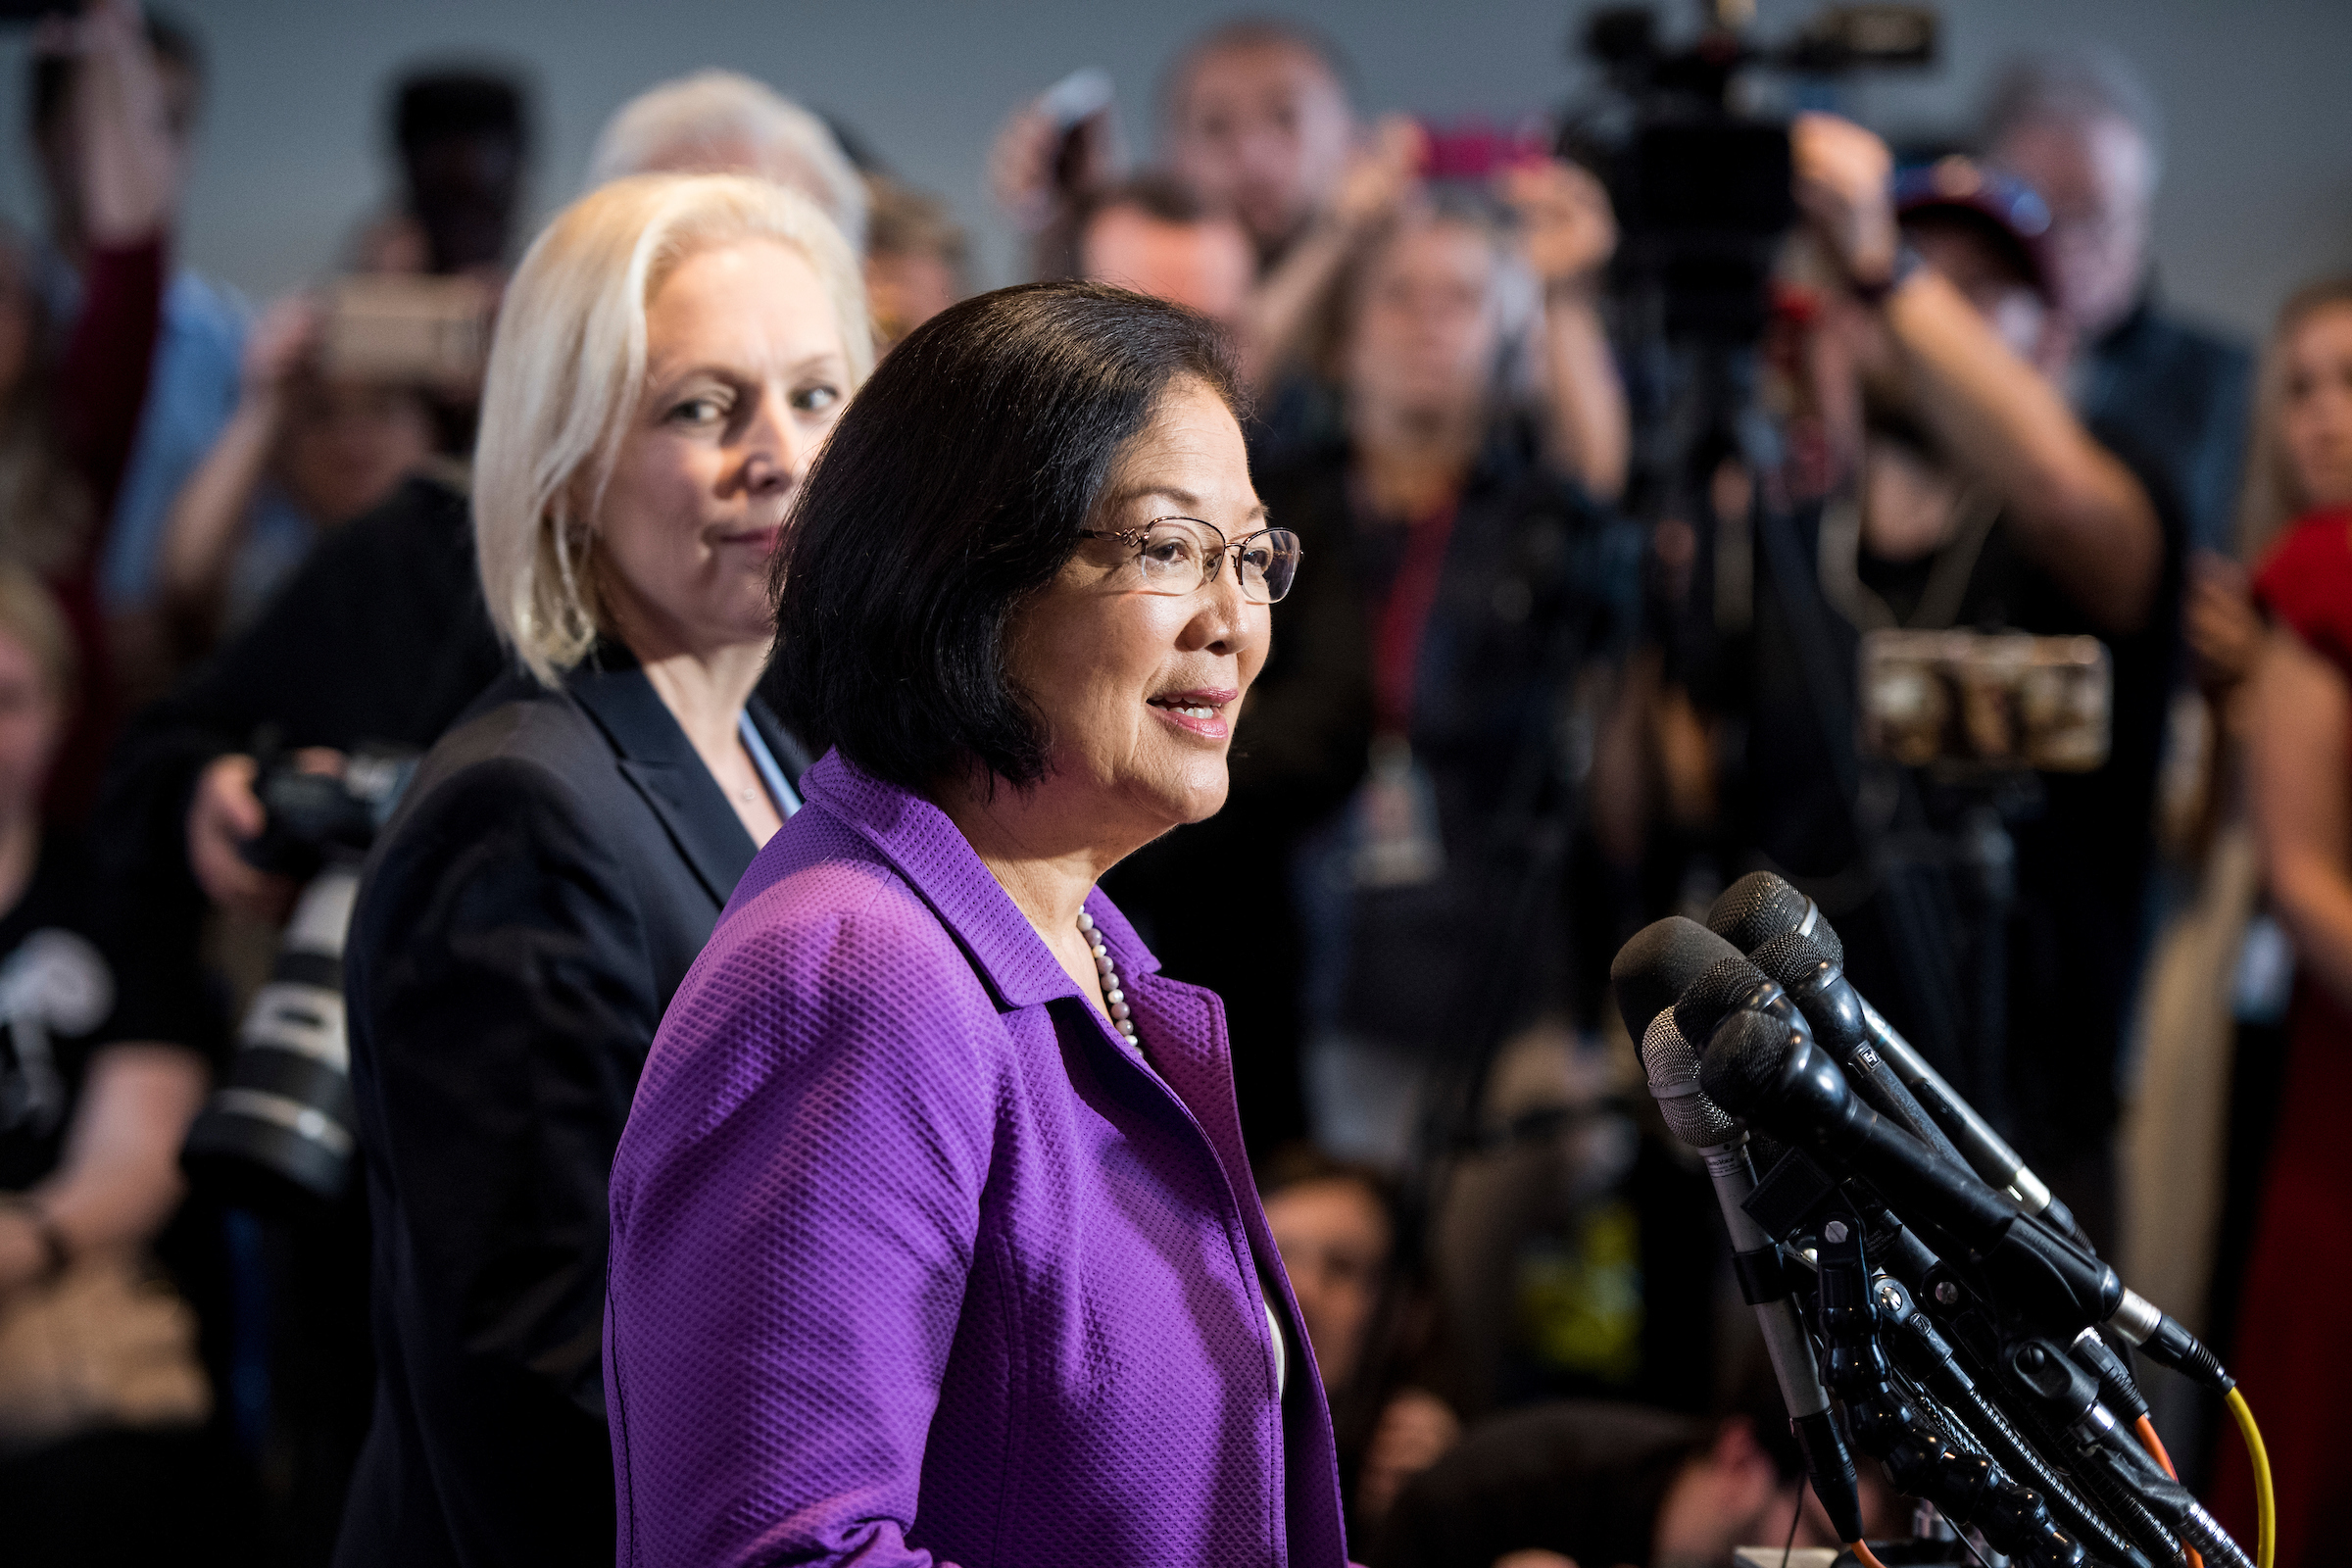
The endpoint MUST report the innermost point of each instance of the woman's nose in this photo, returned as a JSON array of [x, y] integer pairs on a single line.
[[1223, 620], [775, 454]]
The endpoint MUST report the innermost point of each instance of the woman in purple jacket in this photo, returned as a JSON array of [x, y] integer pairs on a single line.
[[932, 1235]]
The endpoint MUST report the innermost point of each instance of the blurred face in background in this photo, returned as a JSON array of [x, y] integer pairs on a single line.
[[907, 288], [347, 445], [2317, 417], [745, 375], [2098, 178], [1426, 328], [1207, 266], [31, 719], [1333, 1236], [1264, 130]]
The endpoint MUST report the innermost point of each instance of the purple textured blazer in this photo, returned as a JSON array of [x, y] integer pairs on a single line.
[[912, 1263]]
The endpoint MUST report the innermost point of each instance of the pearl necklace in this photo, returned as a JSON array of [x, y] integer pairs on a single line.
[[1112, 997]]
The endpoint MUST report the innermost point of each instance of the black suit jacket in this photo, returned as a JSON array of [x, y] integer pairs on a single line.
[[555, 867]]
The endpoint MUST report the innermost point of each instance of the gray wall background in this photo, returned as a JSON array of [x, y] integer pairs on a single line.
[[2258, 194]]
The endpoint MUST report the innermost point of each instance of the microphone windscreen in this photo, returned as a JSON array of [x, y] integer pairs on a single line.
[[1653, 970], [1743, 1058], [1721, 986], [1792, 955], [1760, 906], [1673, 1069]]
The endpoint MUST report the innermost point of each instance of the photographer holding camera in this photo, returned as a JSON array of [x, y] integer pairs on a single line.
[[1938, 479]]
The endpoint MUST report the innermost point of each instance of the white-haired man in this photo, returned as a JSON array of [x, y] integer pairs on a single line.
[[2083, 130], [724, 123]]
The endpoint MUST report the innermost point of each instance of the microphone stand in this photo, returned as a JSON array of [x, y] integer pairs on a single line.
[[1528, 846], [1918, 1458], [1918, 1402]]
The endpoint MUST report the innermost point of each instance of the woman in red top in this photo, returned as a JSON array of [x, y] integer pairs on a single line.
[[2291, 1357]]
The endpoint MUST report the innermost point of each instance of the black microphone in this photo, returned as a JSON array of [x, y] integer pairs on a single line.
[[1650, 972], [1821, 1002], [1673, 1070], [1759, 906], [1759, 1067], [1758, 914]]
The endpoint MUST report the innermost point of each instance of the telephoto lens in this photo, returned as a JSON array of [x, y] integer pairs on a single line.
[[279, 1135]]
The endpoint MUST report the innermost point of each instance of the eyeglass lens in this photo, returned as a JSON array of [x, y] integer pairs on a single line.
[[1178, 555]]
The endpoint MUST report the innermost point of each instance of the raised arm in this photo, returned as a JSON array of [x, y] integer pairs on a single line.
[[2300, 725], [1567, 233], [1288, 302], [2078, 511], [129, 170], [210, 513], [130, 162]]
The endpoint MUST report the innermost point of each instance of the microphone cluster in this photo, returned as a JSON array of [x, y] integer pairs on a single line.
[[1901, 1258]]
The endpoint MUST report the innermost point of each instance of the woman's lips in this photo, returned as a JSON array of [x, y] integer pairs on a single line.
[[762, 540], [1198, 712]]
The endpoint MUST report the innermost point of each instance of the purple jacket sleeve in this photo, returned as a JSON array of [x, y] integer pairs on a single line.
[[795, 1214]]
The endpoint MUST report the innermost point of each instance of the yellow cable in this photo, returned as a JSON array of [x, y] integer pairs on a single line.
[[1863, 1554], [2266, 1505]]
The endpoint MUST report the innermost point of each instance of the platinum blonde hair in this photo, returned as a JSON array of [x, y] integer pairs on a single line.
[[568, 371], [724, 122]]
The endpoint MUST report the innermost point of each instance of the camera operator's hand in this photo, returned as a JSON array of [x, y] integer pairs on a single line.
[[1843, 184], [1382, 175], [225, 816], [208, 515], [1568, 233], [1383, 178], [286, 336], [1020, 163], [1567, 229]]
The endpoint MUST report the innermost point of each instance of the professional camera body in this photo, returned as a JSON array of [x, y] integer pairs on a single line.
[[279, 1134], [1702, 189]]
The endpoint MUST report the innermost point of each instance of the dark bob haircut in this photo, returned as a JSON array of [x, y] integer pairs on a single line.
[[952, 491]]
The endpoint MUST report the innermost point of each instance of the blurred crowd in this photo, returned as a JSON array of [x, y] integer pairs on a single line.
[[1535, 688]]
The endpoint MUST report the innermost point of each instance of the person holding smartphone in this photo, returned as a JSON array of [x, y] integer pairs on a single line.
[[307, 451]]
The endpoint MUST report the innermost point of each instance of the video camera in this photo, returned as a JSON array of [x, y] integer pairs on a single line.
[[1702, 191]]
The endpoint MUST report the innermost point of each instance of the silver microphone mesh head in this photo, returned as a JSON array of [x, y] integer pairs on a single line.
[[1760, 906], [1791, 957], [1673, 1069]]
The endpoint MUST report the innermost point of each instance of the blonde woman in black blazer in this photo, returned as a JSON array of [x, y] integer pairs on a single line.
[[670, 354]]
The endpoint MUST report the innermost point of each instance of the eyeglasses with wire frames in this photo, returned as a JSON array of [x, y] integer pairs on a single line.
[[1179, 555]]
